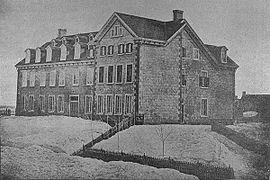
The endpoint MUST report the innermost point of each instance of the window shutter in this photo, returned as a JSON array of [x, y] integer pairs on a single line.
[[200, 81]]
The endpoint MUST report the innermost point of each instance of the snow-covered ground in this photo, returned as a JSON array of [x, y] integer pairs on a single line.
[[186, 142], [39, 148]]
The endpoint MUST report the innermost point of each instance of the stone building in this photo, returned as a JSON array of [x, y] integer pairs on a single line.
[[159, 70]]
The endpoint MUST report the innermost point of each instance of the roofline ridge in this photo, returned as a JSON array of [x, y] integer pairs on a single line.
[[141, 17]]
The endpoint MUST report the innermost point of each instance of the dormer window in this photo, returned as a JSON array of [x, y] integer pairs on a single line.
[[91, 37], [77, 51], [223, 55], [49, 54], [38, 55], [63, 52], [27, 56], [53, 43], [116, 31]]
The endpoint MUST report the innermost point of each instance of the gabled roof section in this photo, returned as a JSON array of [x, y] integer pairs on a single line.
[[150, 28]]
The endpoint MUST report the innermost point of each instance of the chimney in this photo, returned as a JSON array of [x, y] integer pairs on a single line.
[[244, 93], [177, 14], [62, 32]]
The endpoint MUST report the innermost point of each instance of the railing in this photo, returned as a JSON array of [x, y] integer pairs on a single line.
[[202, 171]]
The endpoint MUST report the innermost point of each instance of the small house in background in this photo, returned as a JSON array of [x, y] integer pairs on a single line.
[[160, 71]]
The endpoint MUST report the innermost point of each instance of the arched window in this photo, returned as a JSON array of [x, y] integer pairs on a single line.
[[38, 55], [27, 56], [49, 54], [77, 50], [63, 52]]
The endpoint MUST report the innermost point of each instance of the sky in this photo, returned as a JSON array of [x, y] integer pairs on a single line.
[[243, 26]]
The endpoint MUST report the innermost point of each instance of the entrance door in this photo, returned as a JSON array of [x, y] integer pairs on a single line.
[[74, 105]]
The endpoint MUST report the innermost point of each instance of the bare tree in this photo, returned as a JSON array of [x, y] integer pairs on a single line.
[[163, 134]]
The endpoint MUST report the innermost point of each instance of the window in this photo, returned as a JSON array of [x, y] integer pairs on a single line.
[[109, 101], [60, 105], [24, 78], [118, 104], [77, 51], [63, 52], [184, 77], [32, 78], [38, 55], [27, 56], [184, 52], [129, 48], [103, 51], [110, 75], [88, 104], [101, 75], [24, 102], [91, 52], [119, 69], [129, 73], [62, 77], [196, 54], [203, 79], [42, 103], [52, 77], [121, 49], [75, 77], [51, 103], [110, 50], [90, 76], [128, 104], [223, 56], [49, 54], [42, 78], [31, 103], [204, 107], [100, 104], [116, 31]]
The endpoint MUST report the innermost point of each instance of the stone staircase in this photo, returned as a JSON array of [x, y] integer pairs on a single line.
[[122, 125]]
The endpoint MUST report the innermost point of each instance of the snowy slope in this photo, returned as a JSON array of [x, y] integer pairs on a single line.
[[187, 142], [29, 146], [60, 133]]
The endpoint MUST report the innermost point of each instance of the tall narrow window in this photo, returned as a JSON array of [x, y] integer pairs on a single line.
[[110, 50], [129, 73], [110, 75], [109, 101], [184, 52], [52, 77], [100, 104], [118, 104], [24, 78], [196, 54], [75, 77], [38, 55], [31, 103], [128, 104], [121, 48], [62, 77], [103, 51], [129, 48], [90, 76], [49, 54], [184, 77], [60, 102], [51, 103], [27, 56], [77, 51], [42, 103], [88, 104], [91, 52], [116, 31], [119, 72], [42, 78], [32, 78], [63, 56], [101, 75], [24, 102], [204, 107]]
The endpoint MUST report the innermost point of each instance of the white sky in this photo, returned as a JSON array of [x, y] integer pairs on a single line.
[[243, 26]]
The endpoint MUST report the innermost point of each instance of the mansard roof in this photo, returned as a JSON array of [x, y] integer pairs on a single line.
[[150, 28]]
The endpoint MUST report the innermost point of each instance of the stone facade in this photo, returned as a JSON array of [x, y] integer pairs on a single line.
[[140, 67]]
